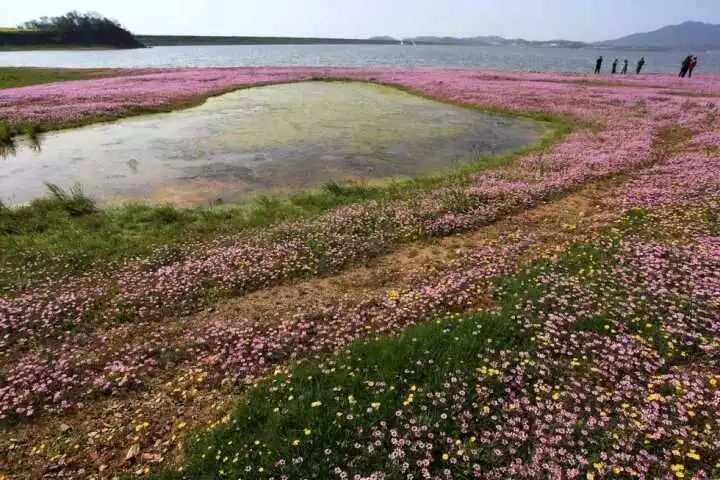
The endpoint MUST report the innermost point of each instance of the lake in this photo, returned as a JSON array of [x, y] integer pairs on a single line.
[[438, 56], [272, 139]]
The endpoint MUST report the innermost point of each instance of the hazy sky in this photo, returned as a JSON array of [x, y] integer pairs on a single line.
[[531, 19]]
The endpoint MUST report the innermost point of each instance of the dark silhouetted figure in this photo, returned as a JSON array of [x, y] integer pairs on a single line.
[[614, 66], [685, 66], [598, 64], [640, 65], [625, 66], [693, 64]]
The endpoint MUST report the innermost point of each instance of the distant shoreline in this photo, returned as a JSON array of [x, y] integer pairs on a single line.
[[149, 41], [199, 40]]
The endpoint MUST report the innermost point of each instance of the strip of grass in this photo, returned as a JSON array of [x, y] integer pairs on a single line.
[[12, 77], [49, 235]]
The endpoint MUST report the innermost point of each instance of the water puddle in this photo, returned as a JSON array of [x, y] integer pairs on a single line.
[[260, 140]]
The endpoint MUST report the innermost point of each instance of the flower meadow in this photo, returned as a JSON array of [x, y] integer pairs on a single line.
[[599, 363]]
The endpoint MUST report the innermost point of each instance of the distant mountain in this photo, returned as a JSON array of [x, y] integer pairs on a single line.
[[688, 35], [492, 40]]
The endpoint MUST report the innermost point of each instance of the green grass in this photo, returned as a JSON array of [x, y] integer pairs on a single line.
[[12, 77], [270, 419], [373, 379], [45, 237], [453, 344]]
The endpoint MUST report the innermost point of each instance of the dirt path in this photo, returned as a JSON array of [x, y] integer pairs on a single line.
[[134, 433]]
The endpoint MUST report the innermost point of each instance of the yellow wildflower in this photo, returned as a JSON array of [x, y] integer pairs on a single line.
[[693, 454]]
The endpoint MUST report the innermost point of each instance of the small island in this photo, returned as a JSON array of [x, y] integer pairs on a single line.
[[72, 30]]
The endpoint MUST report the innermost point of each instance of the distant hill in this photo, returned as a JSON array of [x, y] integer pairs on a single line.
[[688, 35], [178, 40], [493, 40]]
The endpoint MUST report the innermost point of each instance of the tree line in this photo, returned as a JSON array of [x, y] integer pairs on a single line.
[[73, 28]]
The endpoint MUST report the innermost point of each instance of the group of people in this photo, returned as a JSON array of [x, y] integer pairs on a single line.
[[626, 63], [688, 65]]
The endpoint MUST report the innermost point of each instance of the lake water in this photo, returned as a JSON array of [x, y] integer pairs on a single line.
[[261, 140], [502, 58]]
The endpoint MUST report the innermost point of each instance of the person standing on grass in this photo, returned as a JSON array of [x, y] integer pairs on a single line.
[[598, 64], [640, 65], [615, 65], [625, 67], [693, 64], [685, 66]]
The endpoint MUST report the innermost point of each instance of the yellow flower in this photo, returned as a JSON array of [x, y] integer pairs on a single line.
[[556, 396], [693, 454], [617, 470], [307, 431], [590, 476], [677, 467], [445, 456], [393, 295], [296, 443], [375, 405], [653, 397], [598, 466], [316, 404]]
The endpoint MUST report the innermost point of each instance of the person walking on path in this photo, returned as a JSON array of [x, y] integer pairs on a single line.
[[640, 65], [693, 64], [685, 66], [625, 67], [598, 64], [614, 66]]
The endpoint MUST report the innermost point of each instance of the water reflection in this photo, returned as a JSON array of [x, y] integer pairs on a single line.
[[8, 148]]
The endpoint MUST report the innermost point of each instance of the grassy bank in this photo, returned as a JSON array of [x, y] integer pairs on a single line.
[[67, 232], [485, 392], [13, 77]]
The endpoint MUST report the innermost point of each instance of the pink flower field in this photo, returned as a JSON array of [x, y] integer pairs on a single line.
[[608, 367]]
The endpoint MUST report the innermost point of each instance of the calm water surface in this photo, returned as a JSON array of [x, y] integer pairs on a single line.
[[260, 140], [502, 58]]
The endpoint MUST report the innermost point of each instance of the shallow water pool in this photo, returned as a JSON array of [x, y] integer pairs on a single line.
[[261, 140]]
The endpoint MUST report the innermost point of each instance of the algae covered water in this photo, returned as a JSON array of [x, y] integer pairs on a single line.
[[261, 140]]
